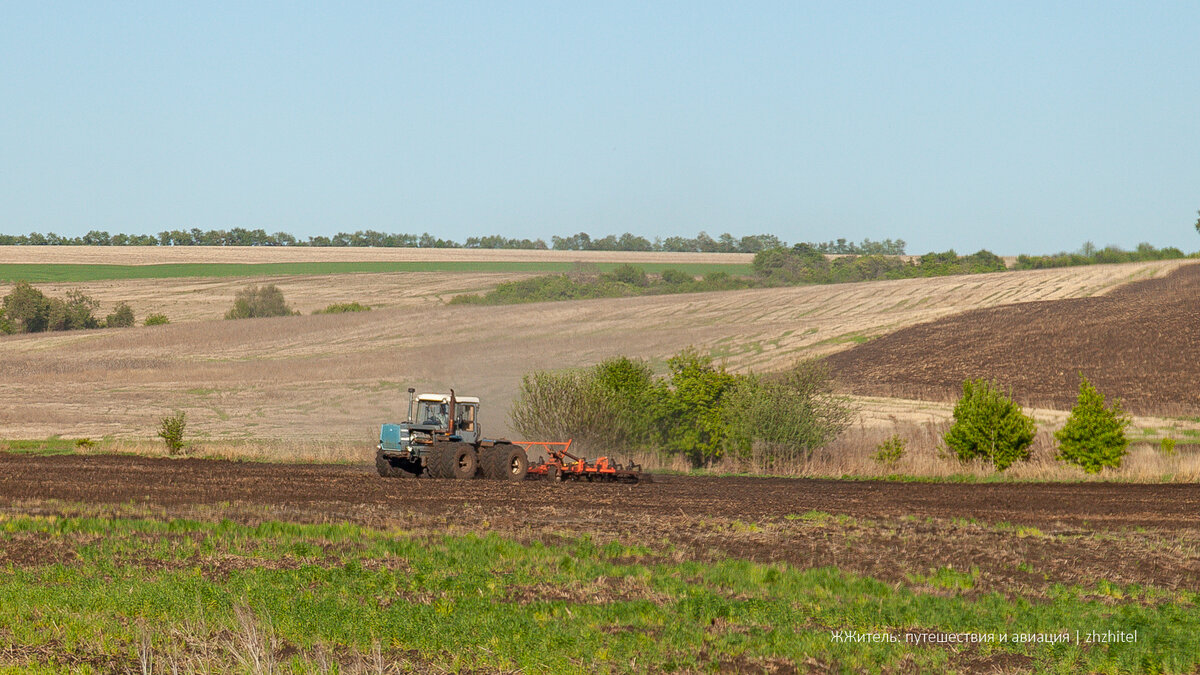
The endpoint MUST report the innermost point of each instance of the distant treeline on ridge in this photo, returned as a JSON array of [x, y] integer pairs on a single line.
[[701, 243]]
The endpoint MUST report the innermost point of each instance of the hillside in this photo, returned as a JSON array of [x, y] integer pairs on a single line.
[[339, 376], [1140, 342]]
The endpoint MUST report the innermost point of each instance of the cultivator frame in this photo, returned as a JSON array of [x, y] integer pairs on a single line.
[[560, 465]]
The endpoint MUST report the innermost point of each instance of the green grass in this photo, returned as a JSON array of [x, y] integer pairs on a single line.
[[35, 273], [948, 578], [120, 586], [47, 446]]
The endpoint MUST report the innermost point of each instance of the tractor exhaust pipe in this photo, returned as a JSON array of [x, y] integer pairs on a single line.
[[412, 400]]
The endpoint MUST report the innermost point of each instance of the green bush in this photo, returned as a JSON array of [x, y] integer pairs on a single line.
[[6, 326], [1167, 446], [699, 411], [630, 385], [171, 429], [576, 286], [254, 302], [989, 425], [784, 417], [343, 308], [628, 274], [73, 313], [1094, 435], [675, 277], [157, 320], [891, 451], [690, 420], [27, 309], [556, 406], [121, 318]]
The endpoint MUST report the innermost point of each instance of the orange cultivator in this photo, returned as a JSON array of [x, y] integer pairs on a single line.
[[560, 465]]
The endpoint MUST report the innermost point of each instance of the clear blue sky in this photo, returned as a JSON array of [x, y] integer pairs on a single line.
[[1015, 126]]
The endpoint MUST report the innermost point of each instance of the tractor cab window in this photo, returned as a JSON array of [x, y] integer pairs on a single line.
[[464, 417], [433, 413]]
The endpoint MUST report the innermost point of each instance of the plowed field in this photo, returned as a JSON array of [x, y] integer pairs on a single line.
[[166, 482], [1149, 532], [1139, 342]]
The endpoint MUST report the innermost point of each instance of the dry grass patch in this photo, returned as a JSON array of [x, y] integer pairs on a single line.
[[926, 456]]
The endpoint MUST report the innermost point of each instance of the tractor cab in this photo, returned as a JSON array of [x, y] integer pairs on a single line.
[[434, 412], [432, 418]]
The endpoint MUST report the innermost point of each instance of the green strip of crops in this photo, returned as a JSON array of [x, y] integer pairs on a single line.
[[68, 273], [106, 594]]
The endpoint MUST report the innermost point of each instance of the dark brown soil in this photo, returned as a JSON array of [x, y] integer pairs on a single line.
[[1140, 343], [1020, 538], [342, 490]]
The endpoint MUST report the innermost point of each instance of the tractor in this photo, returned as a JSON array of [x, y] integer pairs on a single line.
[[442, 438]]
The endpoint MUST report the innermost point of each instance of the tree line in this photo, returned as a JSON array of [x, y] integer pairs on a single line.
[[582, 241]]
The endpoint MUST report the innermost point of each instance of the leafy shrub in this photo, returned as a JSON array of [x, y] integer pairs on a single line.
[[989, 425], [566, 405], [630, 384], [628, 274], [157, 320], [84, 443], [27, 309], [805, 264], [691, 422], [342, 308], [1090, 255], [674, 277], [6, 326], [171, 429], [890, 451], [255, 302], [699, 411], [121, 318], [785, 417], [550, 287], [1167, 446], [73, 313], [610, 406], [1094, 435]]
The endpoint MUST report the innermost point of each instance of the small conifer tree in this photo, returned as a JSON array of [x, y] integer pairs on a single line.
[[1094, 435], [989, 425]]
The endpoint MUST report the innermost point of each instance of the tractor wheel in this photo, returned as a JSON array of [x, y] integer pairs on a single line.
[[507, 462], [394, 468], [487, 461], [384, 466], [453, 460]]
